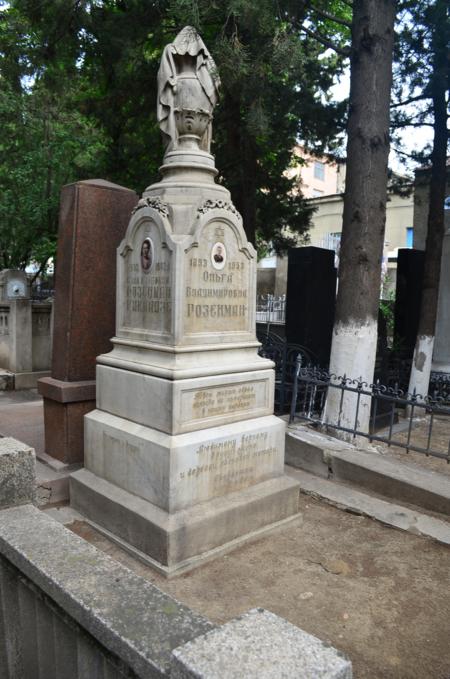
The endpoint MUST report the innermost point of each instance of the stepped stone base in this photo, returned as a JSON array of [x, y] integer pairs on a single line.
[[174, 543]]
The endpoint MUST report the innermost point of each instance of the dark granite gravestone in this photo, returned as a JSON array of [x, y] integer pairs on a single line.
[[407, 299], [310, 300], [93, 218]]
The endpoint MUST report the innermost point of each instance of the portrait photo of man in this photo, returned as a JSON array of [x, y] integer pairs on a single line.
[[146, 255]]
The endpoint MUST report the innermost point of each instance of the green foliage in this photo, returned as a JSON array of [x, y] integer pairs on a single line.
[[78, 87], [387, 309], [45, 144], [421, 37]]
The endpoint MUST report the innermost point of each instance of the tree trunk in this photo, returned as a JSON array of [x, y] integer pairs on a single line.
[[423, 352], [354, 342]]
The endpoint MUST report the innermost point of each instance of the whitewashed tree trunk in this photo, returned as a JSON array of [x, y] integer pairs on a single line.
[[354, 342], [421, 366], [423, 353], [353, 346]]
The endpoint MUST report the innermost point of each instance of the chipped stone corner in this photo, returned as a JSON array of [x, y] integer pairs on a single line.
[[17, 473]]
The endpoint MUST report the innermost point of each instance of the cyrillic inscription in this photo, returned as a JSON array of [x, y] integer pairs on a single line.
[[148, 291], [217, 300], [234, 462]]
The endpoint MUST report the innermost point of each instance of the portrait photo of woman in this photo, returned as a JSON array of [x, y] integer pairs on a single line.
[[218, 255]]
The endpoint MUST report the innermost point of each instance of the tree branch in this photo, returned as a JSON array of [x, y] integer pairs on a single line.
[[39, 271], [331, 17], [345, 52], [397, 126], [396, 149], [419, 97]]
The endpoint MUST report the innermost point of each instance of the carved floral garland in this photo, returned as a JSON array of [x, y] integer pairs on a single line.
[[218, 204], [154, 202]]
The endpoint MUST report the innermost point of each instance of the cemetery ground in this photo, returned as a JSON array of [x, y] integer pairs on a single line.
[[380, 595]]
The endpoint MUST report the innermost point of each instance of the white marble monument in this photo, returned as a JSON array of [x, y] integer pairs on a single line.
[[183, 456]]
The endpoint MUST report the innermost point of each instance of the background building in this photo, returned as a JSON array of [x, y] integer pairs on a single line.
[[322, 180]]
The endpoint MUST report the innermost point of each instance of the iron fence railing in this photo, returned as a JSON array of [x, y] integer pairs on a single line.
[[270, 309], [40, 293], [284, 355], [311, 388]]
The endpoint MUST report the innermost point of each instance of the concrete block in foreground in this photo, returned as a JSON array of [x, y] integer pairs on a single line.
[[17, 473], [101, 603], [259, 645]]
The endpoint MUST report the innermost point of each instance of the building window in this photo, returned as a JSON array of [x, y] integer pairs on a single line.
[[332, 241], [409, 237], [319, 170], [316, 193]]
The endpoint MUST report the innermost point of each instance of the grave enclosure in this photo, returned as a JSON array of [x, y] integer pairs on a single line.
[[183, 455], [25, 332]]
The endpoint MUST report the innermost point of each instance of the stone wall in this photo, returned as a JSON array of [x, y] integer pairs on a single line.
[[70, 611], [41, 332], [42, 335], [4, 336]]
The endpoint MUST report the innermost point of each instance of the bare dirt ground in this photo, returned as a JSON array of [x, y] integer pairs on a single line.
[[380, 595]]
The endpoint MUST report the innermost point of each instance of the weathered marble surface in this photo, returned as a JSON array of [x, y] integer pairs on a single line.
[[179, 406], [176, 472], [174, 543], [189, 288]]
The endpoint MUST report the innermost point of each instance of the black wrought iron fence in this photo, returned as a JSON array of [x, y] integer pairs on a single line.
[[284, 355], [400, 411]]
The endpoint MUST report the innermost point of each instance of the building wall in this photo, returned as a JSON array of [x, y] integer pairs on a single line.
[[318, 176], [326, 228], [421, 198], [328, 220]]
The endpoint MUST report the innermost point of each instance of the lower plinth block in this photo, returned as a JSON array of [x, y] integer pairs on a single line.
[[178, 472], [175, 543], [65, 405], [64, 429]]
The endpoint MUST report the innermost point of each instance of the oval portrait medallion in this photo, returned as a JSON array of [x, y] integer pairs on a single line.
[[218, 255]]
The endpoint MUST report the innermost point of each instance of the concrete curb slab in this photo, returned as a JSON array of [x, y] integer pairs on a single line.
[[394, 515], [330, 458]]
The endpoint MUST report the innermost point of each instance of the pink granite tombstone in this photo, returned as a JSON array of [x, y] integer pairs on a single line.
[[93, 218]]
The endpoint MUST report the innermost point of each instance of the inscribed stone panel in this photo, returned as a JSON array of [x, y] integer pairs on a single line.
[[239, 398], [147, 303], [217, 283], [227, 464]]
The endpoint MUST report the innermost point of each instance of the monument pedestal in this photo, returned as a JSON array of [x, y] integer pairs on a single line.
[[183, 456], [178, 471]]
